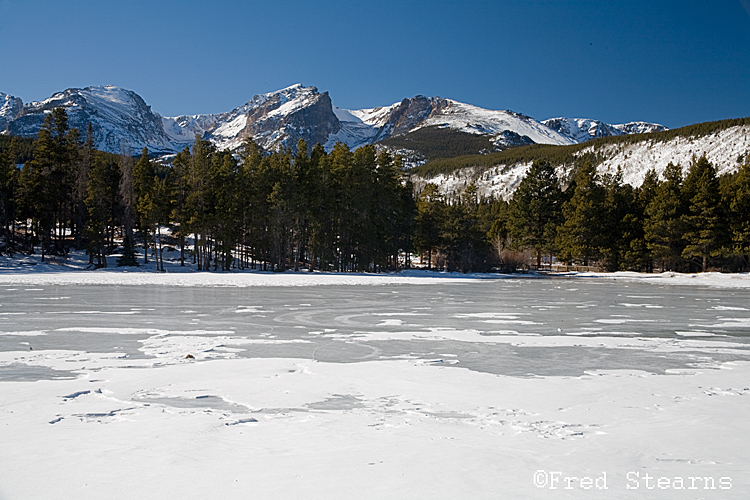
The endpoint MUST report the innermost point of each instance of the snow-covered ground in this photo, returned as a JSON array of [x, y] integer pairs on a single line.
[[412, 385]]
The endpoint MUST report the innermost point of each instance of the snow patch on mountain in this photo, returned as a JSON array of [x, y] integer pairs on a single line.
[[376, 117], [272, 120], [505, 128], [352, 133]]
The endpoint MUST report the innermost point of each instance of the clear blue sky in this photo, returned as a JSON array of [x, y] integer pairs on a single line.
[[671, 62]]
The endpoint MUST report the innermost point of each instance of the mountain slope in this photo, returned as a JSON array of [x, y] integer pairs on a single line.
[[726, 144]]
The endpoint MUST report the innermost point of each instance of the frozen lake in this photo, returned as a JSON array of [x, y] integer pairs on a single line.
[[346, 381], [473, 325]]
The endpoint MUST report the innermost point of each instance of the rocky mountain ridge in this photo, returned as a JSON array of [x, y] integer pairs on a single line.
[[122, 120]]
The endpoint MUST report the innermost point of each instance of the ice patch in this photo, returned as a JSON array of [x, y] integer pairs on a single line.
[[728, 323], [142, 331], [729, 308], [26, 333]]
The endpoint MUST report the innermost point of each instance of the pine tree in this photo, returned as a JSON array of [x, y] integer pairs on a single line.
[[98, 207], [144, 185], [128, 203], [8, 190], [535, 210], [664, 224], [580, 237], [38, 189], [738, 202], [179, 184], [637, 256], [621, 226], [703, 222], [429, 218]]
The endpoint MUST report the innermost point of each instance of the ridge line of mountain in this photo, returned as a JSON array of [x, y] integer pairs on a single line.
[[121, 120]]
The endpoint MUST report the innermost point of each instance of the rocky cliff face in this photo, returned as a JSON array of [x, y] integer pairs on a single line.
[[407, 115], [273, 120], [284, 119]]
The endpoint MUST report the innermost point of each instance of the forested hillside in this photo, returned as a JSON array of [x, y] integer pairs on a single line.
[[559, 155], [357, 210]]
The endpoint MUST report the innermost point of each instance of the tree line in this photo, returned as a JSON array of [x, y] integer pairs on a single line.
[[356, 210], [684, 221], [343, 211]]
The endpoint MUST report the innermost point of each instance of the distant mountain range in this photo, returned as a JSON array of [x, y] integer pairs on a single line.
[[121, 120]]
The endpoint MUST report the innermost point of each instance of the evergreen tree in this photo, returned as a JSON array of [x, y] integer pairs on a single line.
[[128, 203], [179, 185], [580, 237], [428, 223], [664, 224], [98, 206], [8, 190], [38, 188], [622, 227], [737, 195], [535, 210], [703, 221], [144, 186], [637, 256]]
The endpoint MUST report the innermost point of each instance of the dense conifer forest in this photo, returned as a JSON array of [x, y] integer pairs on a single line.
[[357, 210]]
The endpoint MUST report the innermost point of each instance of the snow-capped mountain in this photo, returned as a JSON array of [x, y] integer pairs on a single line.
[[122, 120], [581, 130], [412, 114], [276, 119], [10, 108]]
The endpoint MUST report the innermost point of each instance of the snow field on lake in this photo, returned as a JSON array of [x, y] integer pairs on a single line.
[[468, 387]]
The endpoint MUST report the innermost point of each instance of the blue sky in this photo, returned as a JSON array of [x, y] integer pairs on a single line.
[[670, 62]]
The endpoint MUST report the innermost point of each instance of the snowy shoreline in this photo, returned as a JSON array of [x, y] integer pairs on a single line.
[[62, 275]]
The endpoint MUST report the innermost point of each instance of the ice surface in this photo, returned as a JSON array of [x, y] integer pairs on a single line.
[[409, 385]]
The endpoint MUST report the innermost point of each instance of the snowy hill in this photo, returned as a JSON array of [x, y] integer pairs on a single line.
[[581, 130], [726, 147]]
